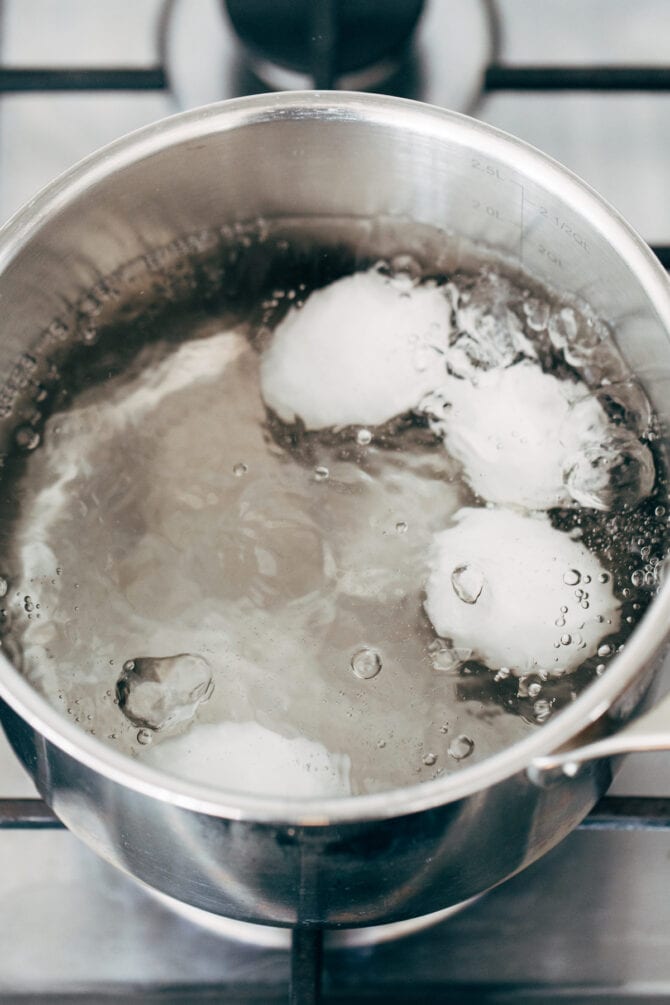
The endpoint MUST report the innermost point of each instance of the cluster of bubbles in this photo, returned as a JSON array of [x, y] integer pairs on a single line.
[[615, 469], [489, 333]]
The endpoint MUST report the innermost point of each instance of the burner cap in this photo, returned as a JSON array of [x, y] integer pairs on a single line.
[[444, 65], [328, 42]]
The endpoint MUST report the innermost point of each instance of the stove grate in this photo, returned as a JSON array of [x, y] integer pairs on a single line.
[[24, 79], [505, 77]]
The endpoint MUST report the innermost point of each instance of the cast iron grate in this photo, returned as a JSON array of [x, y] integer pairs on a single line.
[[24, 79]]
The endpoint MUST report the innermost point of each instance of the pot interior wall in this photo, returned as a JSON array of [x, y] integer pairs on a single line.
[[195, 173]]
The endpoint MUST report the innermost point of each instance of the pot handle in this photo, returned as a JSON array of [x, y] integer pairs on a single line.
[[649, 732]]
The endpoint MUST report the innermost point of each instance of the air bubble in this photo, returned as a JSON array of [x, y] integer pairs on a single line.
[[542, 710], [429, 760], [27, 438], [401, 527], [449, 660], [581, 345], [404, 267], [366, 663], [572, 577], [240, 469], [144, 736], [627, 405], [563, 328], [461, 747], [4, 586], [160, 692], [467, 582], [537, 314], [363, 437], [615, 473], [321, 474], [530, 686], [604, 650]]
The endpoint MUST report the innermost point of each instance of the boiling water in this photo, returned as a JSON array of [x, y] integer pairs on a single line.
[[271, 599]]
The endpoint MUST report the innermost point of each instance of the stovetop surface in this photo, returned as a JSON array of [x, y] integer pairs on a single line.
[[590, 921]]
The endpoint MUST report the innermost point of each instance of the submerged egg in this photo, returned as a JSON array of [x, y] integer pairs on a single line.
[[522, 443], [529, 570], [360, 351], [246, 757]]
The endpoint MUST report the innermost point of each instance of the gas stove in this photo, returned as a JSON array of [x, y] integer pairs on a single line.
[[588, 82]]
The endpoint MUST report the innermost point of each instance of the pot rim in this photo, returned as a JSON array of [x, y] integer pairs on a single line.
[[643, 645]]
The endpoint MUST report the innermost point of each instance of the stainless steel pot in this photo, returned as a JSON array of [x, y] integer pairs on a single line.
[[398, 854]]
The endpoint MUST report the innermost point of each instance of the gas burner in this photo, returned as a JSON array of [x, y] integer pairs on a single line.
[[353, 44], [216, 50]]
